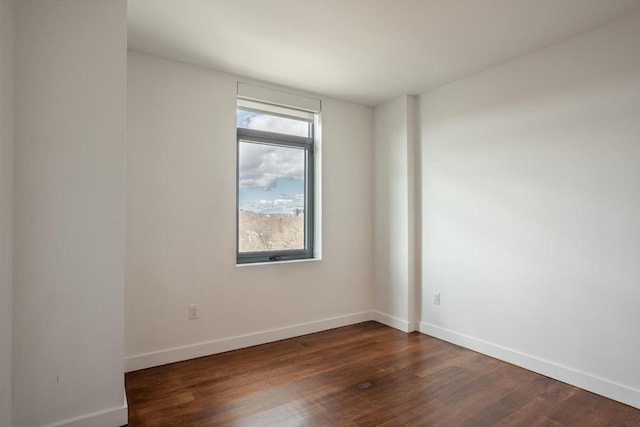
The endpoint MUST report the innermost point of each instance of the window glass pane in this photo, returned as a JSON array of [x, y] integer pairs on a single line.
[[271, 197], [271, 123]]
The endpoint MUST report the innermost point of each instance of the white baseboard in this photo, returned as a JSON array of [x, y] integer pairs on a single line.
[[114, 417], [394, 322], [177, 354], [601, 386]]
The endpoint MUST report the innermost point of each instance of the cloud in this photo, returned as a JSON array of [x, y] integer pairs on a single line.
[[267, 122], [261, 165]]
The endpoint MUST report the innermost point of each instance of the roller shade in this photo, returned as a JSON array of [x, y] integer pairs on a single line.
[[262, 94]]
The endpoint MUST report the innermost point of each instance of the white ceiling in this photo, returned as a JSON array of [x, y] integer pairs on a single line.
[[366, 51]]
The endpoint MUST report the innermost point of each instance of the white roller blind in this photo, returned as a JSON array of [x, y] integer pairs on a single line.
[[262, 94]]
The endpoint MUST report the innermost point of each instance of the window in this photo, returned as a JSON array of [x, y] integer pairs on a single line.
[[275, 182]]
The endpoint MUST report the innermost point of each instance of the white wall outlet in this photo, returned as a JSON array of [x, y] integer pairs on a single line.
[[193, 311], [436, 298]]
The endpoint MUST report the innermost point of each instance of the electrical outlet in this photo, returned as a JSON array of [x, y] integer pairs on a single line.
[[436, 298], [193, 311]]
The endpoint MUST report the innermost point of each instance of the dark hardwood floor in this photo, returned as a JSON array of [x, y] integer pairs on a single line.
[[361, 375]]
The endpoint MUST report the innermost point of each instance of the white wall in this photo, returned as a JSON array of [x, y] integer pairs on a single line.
[[531, 200], [181, 223], [394, 262], [6, 209], [70, 132]]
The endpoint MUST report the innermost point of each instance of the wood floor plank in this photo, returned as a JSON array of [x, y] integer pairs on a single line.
[[361, 375]]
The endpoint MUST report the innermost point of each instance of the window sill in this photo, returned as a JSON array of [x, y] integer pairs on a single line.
[[289, 261]]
